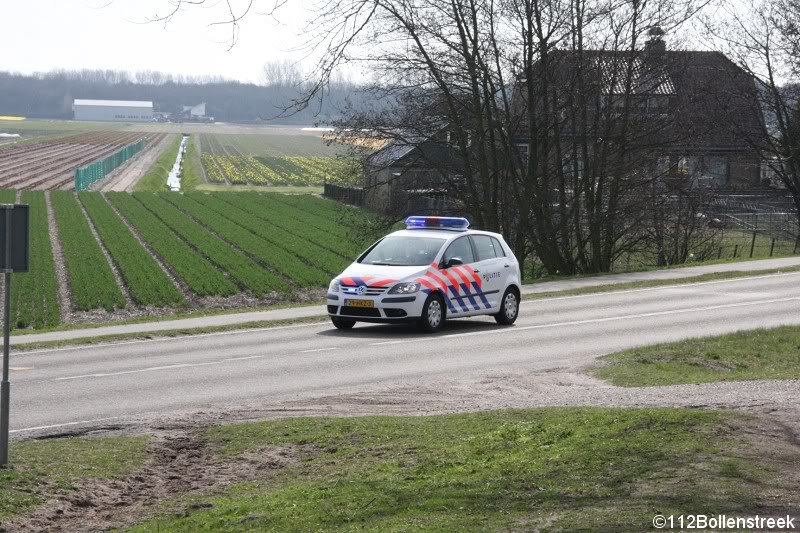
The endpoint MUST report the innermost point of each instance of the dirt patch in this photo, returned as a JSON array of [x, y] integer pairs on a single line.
[[181, 464], [64, 296]]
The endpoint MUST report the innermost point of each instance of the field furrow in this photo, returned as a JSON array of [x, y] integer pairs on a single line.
[[225, 205], [91, 281], [199, 275], [243, 269], [147, 283], [276, 258]]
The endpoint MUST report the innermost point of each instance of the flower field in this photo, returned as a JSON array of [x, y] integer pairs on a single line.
[[147, 252], [239, 160]]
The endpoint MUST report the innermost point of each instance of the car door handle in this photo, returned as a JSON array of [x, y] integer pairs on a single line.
[[476, 271], [507, 266]]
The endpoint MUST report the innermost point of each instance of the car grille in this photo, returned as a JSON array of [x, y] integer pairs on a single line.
[[371, 291], [360, 311]]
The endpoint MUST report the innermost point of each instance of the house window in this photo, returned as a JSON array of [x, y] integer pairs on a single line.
[[716, 167], [572, 168], [523, 152], [687, 165], [663, 166], [658, 104]]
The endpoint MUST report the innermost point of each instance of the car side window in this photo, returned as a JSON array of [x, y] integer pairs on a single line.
[[498, 248], [484, 247], [459, 248]]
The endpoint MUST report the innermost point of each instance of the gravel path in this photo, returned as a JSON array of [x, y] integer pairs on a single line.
[[126, 176]]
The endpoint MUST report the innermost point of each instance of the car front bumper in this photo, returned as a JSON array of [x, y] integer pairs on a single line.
[[385, 308]]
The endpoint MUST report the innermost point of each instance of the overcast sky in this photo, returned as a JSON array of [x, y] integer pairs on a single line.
[[41, 35]]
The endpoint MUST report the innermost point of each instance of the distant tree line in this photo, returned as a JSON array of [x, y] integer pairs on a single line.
[[50, 94]]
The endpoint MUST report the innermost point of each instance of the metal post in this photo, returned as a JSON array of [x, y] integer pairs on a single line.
[[752, 245], [772, 247], [735, 251], [5, 386]]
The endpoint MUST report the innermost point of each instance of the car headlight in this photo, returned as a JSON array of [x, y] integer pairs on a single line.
[[334, 286], [404, 288]]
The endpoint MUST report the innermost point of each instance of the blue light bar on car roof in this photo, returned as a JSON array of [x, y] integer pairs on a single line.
[[452, 223]]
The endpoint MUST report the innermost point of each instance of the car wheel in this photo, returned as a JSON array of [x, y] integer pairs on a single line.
[[342, 323], [433, 314], [509, 308]]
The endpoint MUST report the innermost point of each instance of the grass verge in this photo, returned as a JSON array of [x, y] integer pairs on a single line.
[[560, 469], [43, 468], [156, 177], [746, 355], [260, 188], [167, 333], [644, 284], [191, 175]]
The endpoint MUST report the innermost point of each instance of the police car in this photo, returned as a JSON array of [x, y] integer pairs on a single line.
[[435, 269]]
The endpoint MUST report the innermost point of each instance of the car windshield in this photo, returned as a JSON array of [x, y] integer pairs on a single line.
[[404, 251]]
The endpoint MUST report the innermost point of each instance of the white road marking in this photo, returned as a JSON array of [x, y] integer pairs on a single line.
[[173, 367], [157, 368], [597, 320], [79, 422], [644, 289], [20, 368]]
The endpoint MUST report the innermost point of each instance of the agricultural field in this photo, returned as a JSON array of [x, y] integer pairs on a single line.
[[276, 160], [116, 255], [50, 163]]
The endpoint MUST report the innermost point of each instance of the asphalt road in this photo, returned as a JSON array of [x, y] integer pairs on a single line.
[[59, 388]]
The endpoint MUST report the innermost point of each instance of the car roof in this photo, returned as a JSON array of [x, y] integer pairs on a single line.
[[442, 233]]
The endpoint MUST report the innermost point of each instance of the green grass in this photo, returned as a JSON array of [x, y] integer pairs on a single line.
[[42, 468], [746, 355], [92, 283], [147, 283], [192, 175], [35, 293], [558, 469], [156, 177], [214, 187], [195, 270], [654, 283]]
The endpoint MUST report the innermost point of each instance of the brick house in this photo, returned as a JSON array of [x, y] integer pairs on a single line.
[[704, 108]]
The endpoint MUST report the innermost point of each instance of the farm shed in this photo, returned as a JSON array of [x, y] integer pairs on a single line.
[[113, 110]]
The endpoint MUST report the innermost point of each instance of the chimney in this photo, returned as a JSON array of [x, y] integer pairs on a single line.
[[655, 47]]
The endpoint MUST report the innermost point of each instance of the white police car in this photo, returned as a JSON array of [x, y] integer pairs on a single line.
[[435, 269]]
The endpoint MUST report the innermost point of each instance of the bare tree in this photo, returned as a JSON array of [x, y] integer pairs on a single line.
[[764, 39], [282, 73]]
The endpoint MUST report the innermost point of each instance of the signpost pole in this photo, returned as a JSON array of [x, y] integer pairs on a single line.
[[5, 386]]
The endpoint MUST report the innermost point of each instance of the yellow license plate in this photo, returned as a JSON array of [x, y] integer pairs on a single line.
[[359, 303]]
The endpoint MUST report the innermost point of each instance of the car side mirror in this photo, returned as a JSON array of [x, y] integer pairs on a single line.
[[454, 261]]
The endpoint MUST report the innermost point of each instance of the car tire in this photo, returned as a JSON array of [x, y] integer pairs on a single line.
[[509, 308], [434, 314], [342, 323]]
